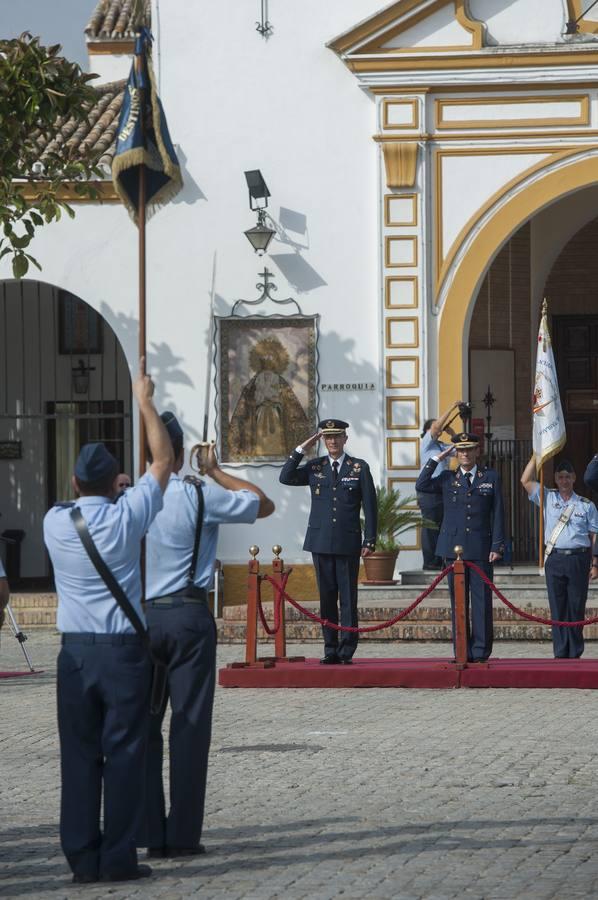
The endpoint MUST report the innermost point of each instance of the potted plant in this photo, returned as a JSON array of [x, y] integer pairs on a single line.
[[395, 516]]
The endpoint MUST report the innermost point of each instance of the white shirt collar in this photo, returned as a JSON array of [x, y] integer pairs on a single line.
[[340, 460], [472, 471]]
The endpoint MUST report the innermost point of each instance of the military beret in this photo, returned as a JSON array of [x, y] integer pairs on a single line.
[[332, 426], [564, 465], [464, 440], [94, 463], [172, 425]]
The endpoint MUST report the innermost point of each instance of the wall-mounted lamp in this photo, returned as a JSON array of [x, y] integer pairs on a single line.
[[81, 377], [260, 235], [572, 26]]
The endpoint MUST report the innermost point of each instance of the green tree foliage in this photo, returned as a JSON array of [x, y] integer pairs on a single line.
[[39, 92]]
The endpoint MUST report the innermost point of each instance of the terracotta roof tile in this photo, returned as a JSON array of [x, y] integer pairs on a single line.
[[99, 132], [113, 19]]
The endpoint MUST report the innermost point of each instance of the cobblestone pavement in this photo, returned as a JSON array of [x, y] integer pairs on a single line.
[[355, 794]]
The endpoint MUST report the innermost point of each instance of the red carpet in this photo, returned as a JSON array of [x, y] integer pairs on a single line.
[[418, 673], [18, 674]]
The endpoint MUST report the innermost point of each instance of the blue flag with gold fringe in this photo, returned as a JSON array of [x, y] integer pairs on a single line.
[[143, 140]]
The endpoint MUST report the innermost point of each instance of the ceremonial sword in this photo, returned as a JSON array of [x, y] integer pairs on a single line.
[[199, 452]]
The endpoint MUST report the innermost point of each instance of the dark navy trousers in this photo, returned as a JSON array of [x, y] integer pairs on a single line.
[[567, 586], [478, 605], [103, 685], [184, 637], [337, 583]]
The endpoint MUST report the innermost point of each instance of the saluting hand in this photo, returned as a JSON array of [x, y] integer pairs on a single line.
[[311, 441], [448, 452]]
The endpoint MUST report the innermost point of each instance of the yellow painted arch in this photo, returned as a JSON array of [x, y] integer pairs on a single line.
[[452, 361]]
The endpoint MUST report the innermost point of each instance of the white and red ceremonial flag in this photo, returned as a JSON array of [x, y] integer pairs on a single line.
[[549, 434]]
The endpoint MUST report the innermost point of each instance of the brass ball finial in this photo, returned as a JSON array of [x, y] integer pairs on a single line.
[[254, 550], [276, 550], [458, 551]]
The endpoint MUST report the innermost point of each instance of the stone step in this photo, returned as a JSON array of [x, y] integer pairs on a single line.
[[373, 614], [503, 575], [234, 632]]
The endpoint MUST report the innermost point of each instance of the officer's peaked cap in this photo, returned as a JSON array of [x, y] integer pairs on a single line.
[[332, 426], [172, 425], [564, 465], [94, 463], [464, 439]]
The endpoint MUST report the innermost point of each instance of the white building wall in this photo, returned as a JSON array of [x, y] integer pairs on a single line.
[[235, 101]]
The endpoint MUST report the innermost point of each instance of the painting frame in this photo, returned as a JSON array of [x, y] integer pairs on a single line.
[[266, 394]]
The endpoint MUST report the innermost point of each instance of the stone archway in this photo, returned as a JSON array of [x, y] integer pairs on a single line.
[[482, 247], [64, 381]]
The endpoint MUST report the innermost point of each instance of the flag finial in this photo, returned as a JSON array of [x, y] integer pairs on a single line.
[[544, 307]]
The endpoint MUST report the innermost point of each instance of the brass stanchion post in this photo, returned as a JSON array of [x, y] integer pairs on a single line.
[[280, 638], [460, 611], [253, 593]]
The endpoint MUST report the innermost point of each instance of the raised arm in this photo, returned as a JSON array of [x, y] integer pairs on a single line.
[[157, 436], [234, 483], [425, 483], [439, 425], [293, 473], [528, 479]]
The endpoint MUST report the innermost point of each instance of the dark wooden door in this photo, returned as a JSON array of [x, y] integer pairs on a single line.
[[575, 340]]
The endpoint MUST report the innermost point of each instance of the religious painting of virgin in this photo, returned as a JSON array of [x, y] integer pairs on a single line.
[[267, 396]]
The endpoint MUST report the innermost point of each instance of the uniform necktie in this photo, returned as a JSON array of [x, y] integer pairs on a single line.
[[335, 470], [469, 476]]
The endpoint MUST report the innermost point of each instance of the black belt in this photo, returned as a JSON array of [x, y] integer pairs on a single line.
[[573, 552], [183, 597], [89, 637]]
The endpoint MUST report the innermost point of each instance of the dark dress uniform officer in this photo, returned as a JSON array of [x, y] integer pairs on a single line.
[[569, 522], [340, 486], [474, 519], [183, 635], [103, 669]]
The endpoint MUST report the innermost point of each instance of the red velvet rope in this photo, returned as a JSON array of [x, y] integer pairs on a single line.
[[282, 594], [277, 604], [521, 612]]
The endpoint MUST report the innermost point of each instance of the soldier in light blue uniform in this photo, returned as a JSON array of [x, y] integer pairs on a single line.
[[570, 526], [474, 519], [103, 670], [183, 635], [340, 486], [431, 505]]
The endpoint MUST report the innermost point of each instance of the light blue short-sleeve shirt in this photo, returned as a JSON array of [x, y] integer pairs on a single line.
[[2, 572], [583, 520], [170, 539], [431, 447], [84, 602]]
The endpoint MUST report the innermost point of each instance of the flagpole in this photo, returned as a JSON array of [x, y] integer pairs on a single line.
[[141, 219], [541, 524]]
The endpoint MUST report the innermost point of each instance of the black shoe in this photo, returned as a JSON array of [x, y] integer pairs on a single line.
[[84, 878], [140, 872], [331, 659], [174, 852], [346, 662], [156, 852]]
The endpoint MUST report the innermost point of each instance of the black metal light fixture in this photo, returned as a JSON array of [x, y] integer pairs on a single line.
[[81, 377], [260, 235], [488, 400], [572, 26]]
